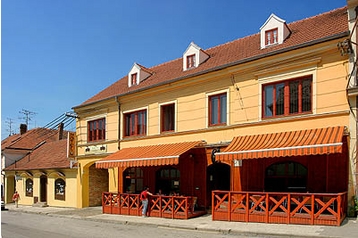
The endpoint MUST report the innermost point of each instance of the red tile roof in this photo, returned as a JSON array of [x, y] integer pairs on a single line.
[[293, 143], [50, 155], [30, 139], [315, 29]]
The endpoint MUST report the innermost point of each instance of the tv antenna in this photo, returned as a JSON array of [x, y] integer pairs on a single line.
[[9, 122], [27, 116]]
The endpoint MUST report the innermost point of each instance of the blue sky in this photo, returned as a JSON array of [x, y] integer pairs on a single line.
[[56, 54]]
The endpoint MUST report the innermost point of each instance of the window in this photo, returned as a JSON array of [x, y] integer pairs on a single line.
[[60, 189], [271, 36], [133, 180], [167, 117], [168, 180], [97, 130], [135, 123], [29, 187], [287, 97], [190, 61], [134, 79], [217, 109], [286, 176]]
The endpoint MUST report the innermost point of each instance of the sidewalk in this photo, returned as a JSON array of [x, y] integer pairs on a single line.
[[349, 227]]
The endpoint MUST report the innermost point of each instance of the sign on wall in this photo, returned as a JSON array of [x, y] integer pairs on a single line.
[[237, 162], [71, 145]]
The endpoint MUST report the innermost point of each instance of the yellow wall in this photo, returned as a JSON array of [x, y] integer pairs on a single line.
[[52, 175], [243, 84]]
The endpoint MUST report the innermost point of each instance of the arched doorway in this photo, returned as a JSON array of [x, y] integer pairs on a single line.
[[218, 178], [286, 176], [168, 180]]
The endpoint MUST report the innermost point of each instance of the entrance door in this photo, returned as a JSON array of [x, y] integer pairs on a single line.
[[43, 188], [218, 178]]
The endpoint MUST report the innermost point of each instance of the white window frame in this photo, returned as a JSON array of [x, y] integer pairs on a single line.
[[284, 77], [130, 111], [93, 118], [175, 102], [227, 91]]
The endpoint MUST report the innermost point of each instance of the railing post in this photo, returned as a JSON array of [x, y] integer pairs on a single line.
[[111, 202], [173, 209], [339, 205], [160, 206], [247, 207], [312, 209], [103, 202], [288, 208], [229, 206], [186, 208], [267, 207]]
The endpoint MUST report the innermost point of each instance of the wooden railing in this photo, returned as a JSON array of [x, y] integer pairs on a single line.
[[289, 208], [178, 207]]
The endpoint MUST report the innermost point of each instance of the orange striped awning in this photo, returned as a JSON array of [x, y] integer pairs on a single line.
[[292, 143], [154, 155]]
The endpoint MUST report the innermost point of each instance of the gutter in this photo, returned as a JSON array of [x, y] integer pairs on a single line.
[[220, 67]]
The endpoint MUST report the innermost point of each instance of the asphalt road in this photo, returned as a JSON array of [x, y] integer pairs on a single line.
[[21, 225]]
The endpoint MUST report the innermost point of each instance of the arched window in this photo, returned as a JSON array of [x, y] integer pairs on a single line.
[[60, 188], [133, 180], [29, 187], [167, 179], [286, 177]]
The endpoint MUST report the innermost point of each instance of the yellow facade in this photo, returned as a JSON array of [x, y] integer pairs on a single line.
[[243, 85], [20, 184]]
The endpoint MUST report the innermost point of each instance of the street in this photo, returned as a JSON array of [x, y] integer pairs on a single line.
[[21, 225]]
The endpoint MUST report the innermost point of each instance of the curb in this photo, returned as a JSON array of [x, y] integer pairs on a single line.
[[169, 225]]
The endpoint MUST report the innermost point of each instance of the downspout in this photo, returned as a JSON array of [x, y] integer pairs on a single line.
[[119, 187], [356, 154], [119, 122], [355, 64]]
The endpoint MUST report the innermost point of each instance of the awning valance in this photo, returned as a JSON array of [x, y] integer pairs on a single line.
[[292, 143], [154, 155]]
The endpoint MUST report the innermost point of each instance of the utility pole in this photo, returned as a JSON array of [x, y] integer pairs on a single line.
[[27, 116], [9, 122]]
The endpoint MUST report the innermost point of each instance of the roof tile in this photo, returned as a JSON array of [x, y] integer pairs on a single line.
[[48, 156], [325, 25]]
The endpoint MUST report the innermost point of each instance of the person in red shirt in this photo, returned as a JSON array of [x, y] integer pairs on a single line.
[[144, 198], [16, 198]]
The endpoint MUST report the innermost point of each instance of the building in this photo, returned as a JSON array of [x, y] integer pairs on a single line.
[[263, 114], [350, 44], [39, 168]]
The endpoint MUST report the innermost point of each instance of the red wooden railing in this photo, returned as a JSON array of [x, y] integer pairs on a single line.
[[289, 208], [178, 207]]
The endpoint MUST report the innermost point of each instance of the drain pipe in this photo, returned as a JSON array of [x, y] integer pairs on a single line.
[[119, 121]]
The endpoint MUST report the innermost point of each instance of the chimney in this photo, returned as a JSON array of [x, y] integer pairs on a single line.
[[23, 129], [60, 131]]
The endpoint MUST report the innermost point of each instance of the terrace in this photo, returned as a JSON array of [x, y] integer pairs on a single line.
[[174, 207], [278, 207]]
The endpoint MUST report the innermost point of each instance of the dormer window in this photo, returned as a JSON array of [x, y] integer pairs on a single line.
[[138, 74], [273, 31], [271, 36], [190, 61], [193, 57], [134, 79]]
